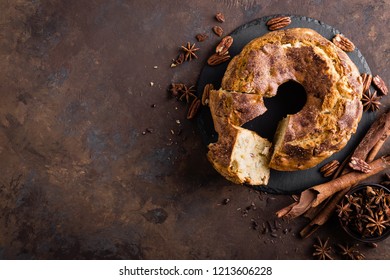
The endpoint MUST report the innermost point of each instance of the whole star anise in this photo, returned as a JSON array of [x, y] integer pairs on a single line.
[[187, 93], [377, 224], [350, 252], [322, 250], [189, 51], [370, 101]]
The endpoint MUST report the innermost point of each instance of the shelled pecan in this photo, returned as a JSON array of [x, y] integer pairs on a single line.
[[343, 43], [224, 45], [278, 23], [217, 59], [330, 168]]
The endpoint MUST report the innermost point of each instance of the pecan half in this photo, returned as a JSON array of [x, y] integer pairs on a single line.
[[367, 78], [201, 37], [380, 85], [330, 168], [218, 30], [206, 94], [224, 45], [359, 165], [278, 23], [343, 43], [220, 17], [216, 58], [194, 108]]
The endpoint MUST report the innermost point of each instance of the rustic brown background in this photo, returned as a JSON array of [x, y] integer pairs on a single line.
[[80, 179]]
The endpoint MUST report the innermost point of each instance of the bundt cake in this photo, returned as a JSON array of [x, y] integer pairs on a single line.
[[324, 125]]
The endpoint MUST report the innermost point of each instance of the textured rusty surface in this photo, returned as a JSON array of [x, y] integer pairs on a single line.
[[98, 162]]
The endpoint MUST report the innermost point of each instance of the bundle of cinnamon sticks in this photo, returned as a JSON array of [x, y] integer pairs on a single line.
[[319, 202]]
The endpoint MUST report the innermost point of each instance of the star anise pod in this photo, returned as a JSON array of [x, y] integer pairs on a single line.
[[189, 51], [176, 89], [371, 101], [322, 250], [350, 252], [377, 224], [354, 201], [343, 210], [187, 93]]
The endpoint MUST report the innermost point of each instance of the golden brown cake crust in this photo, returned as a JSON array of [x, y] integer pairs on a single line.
[[332, 83]]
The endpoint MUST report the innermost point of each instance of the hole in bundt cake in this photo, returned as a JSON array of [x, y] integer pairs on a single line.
[[290, 99]]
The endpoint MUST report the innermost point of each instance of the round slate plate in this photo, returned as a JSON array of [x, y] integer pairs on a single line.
[[265, 125]]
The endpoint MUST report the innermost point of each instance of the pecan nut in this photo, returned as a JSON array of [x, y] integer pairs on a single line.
[[330, 168], [220, 17], [278, 23], [201, 37], [224, 45], [343, 43], [193, 109], [359, 165], [367, 78], [218, 30], [206, 94], [380, 85], [217, 59]]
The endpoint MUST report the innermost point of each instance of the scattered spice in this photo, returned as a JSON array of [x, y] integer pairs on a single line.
[[189, 51], [380, 85], [201, 37], [278, 23], [371, 101], [225, 201], [148, 130], [322, 250], [218, 30], [220, 17]]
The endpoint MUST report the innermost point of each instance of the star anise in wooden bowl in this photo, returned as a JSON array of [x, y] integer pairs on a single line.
[[364, 213]]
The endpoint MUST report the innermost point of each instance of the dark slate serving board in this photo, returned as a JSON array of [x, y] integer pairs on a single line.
[[280, 182]]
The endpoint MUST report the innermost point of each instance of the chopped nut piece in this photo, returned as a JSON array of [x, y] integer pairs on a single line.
[[380, 85], [201, 37], [220, 17], [218, 30]]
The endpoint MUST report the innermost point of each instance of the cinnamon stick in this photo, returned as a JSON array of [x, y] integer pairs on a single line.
[[320, 215], [314, 196], [372, 137], [348, 180], [375, 150]]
